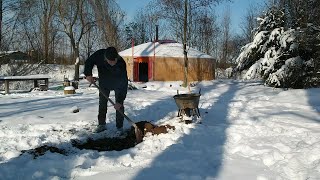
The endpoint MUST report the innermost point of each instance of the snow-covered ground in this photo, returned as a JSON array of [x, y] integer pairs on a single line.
[[247, 131]]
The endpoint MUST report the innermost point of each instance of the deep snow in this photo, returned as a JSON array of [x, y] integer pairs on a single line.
[[247, 131]]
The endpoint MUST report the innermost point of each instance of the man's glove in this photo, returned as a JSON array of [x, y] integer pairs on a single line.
[[117, 106], [90, 79]]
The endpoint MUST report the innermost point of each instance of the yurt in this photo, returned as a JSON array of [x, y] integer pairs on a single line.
[[164, 61]]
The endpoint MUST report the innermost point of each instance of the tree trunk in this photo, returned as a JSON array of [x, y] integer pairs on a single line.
[[185, 82], [1, 11], [76, 55]]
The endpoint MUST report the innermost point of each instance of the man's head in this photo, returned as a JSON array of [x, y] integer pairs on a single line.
[[111, 55]]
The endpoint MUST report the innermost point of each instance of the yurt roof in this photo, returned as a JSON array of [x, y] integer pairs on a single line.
[[162, 49]]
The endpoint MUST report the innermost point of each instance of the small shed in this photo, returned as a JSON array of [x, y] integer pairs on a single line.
[[164, 61], [14, 57]]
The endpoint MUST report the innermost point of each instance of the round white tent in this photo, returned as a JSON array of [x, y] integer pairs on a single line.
[[164, 61]]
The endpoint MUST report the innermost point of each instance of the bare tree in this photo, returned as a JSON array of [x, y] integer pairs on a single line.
[[33, 29], [75, 24], [226, 37], [25, 30], [1, 12], [108, 17], [91, 41], [205, 32], [183, 16], [4, 21], [136, 31], [249, 23], [173, 12], [185, 21], [48, 8]]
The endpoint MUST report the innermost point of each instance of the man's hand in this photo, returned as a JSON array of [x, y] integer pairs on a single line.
[[90, 79], [117, 106]]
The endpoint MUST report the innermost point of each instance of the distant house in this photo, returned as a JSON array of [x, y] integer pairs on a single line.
[[14, 57], [164, 61]]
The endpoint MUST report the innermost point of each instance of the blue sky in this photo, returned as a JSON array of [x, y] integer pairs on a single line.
[[131, 6], [238, 9]]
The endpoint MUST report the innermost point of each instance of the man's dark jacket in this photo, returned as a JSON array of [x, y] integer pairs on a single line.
[[110, 77]]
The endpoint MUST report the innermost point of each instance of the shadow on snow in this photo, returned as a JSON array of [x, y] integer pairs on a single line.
[[197, 154], [314, 98]]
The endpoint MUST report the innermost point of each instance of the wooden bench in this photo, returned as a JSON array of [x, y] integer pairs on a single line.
[[34, 78]]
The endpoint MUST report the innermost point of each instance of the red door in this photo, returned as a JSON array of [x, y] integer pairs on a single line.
[[135, 71]]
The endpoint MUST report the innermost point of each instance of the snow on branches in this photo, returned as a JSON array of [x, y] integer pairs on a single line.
[[282, 57]]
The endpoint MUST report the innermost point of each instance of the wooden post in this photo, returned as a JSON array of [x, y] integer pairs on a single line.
[[6, 86]]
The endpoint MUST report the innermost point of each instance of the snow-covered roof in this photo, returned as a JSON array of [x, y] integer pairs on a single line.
[[162, 50], [8, 52], [36, 76]]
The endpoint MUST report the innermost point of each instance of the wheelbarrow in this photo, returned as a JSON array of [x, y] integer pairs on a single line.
[[188, 104]]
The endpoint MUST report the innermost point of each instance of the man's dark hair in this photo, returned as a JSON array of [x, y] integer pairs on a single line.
[[111, 53]]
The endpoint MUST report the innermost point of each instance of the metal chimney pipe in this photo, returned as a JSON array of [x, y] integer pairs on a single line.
[[157, 32]]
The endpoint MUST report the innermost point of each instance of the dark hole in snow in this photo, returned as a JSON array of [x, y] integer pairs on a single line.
[[39, 151], [121, 143], [107, 143]]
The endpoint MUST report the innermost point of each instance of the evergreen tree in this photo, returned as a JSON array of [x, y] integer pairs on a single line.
[[282, 57]]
